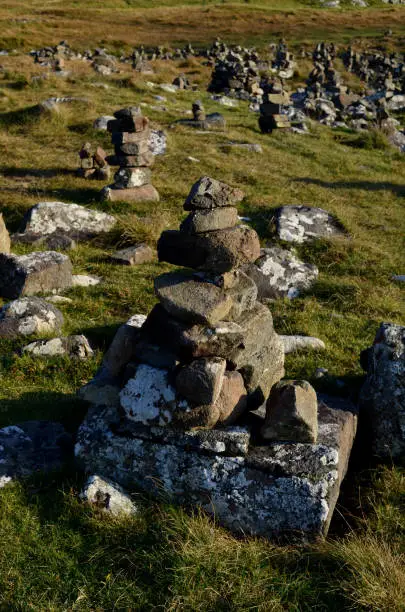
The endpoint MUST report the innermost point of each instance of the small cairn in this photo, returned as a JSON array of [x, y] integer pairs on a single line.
[[130, 135], [93, 164], [272, 112]]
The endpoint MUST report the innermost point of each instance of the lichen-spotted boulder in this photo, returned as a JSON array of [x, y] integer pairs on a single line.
[[28, 316]]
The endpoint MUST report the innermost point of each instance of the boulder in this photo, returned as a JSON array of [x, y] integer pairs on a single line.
[[76, 347], [108, 496], [29, 316], [302, 223], [4, 237], [382, 398], [38, 272], [191, 300], [291, 413], [33, 447], [77, 222], [209, 193], [200, 382], [278, 273]]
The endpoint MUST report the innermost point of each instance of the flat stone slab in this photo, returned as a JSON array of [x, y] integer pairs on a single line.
[[146, 193], [279, 273], [302, 223], [29, 316], [32, 447], [278, 490], [76, 221], [38, 272]]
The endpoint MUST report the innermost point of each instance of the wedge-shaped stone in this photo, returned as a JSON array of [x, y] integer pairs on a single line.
[[38, 272], [291, 413], [191, 300], [201, 221], [201, 381], [210, 193], [232, 401]]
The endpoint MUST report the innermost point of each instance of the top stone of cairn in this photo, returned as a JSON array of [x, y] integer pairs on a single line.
[[128, 120], [208, 193]]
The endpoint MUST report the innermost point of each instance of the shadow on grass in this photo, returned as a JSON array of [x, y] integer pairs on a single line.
[[398, 190], [22, 116], [36, 172]]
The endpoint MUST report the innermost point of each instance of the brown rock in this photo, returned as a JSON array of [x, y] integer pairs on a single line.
[[135, 255], [4, 237], [140, 138], [292, 413], [232, 401], [146, 193], [100, 157], [200, 382]]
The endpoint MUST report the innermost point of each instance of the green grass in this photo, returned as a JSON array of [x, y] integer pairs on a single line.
[[57, 554]]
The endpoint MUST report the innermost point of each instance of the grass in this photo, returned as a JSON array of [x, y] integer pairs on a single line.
[[57, 554]]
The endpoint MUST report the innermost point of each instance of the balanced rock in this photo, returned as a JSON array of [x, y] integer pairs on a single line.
[[291, 413], [209, 193], [302, 223], [4, 237], [38, 272], [28, 316], [382, 398], [77, 222], [279, 273]]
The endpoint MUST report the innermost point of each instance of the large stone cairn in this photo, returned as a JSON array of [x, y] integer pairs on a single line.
[[130, 134]]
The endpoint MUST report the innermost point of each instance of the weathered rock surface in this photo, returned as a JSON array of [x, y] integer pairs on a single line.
[[146, 193], [135, 255], [279, 273], [291, 413], [192, 300], [76, 347], [200, 382], [28, 316], [32, 447], [77, 222], [302, 223], [85, 280], [232, 401], [38, 272], [209, 193], [4, 237], [292, 344], [108, 496], [157, 142], [208, 220], [287, 489], [382, 398]]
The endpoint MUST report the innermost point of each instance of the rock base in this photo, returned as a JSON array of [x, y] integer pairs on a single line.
[[276, 491], [145, 193]]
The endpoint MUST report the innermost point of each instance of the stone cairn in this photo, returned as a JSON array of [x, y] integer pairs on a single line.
[[130, 135], [272, 112], [93, 164]]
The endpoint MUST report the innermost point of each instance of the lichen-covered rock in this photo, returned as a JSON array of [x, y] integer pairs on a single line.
[[108, 496], [77, 222], [292, 344], [32, 447], [76, 347], [29, 316], [302, 223], [209, 193], [85, 280], [287, 489], [382, 398], [279, 273], [38, 272], [291, 413], [4, 237]]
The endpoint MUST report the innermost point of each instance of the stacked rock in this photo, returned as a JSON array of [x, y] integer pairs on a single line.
[[93, 164], [208, 351], [130, 134], [272, 112]]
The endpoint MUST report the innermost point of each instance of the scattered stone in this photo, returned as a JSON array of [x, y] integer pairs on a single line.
[[33, 447], [4, 237], [38, 272], [77, 222], [76, 347], [145, 193], [108, 496], [132, 256], [301, 223], [291, 413], [52, 104], [400, 278], [85, 280], [292, 344], [28, 316], [279, 273], [382, 398]]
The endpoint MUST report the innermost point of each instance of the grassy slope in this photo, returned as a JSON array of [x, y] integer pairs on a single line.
[[57, 555]]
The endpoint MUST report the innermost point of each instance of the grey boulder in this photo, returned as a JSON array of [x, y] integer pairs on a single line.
[[29, 316], [302, 223], [108, 496], [76, 347]]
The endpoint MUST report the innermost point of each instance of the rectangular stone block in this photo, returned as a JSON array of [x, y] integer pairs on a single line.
[[38, 272]]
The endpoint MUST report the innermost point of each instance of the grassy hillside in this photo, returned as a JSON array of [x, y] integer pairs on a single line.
[[56, 554]]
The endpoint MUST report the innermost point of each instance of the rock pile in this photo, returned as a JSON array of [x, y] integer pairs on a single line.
[[130, 135], [273, 112], [172, 403], [93, 164]]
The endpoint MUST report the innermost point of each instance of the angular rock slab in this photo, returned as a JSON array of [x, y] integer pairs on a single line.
[[28, 316], [302, 223], [280, 490], [32, 447], [108, 496], [279, 273], [73, 220], [38, 272], [382, 398]]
